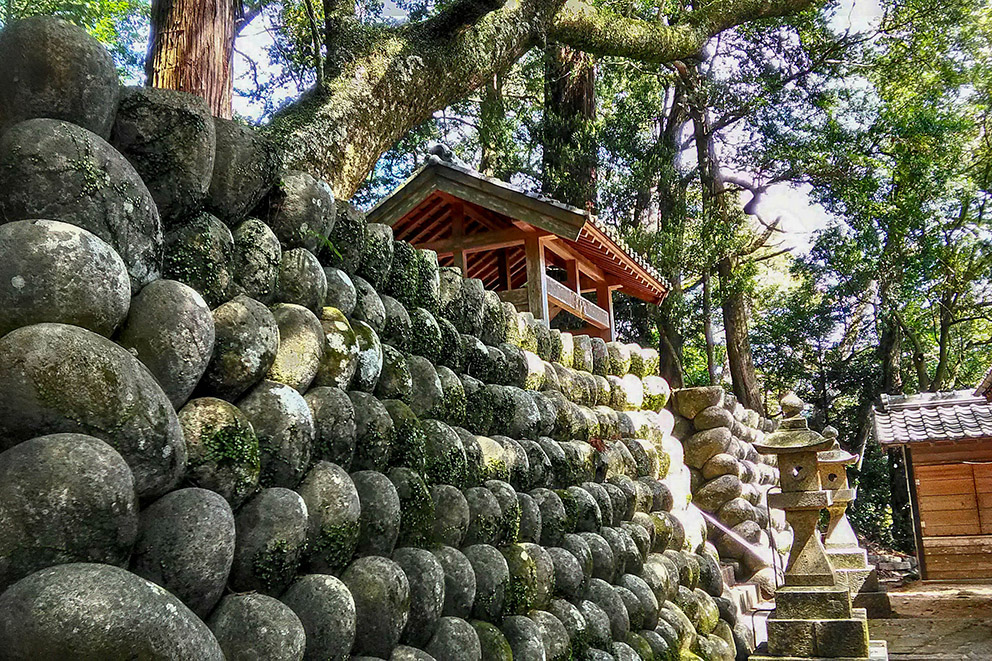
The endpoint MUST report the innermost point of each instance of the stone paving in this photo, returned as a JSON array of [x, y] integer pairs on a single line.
[[938, 622]]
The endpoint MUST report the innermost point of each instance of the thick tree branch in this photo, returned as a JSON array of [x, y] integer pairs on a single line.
[[599, 31]]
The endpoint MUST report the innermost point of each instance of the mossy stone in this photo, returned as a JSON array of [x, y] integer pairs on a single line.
[[455, 640], [492, 641], [222, 448], [465, 312], [606, 597], [570, 581], [494, 332], [395, 381], [246, 339], [284, 427], [554, 520], [374, 432], [97, 611], [369, 357], [538, 465], [597, 624], [416, 505], [397, 328], [452, 353], [64, 498], [581, 510], [382, 603], [301, 280], [200, 253], [57, 272], [427, 394], [257, 260], [171, 331], [186, 544], [255, 626], [524, 637], [425, 576], [409, 438], [246, 166], [554, 635], [425, 335], [301, 346], [428, 281], [445, 454], [459, 581], [348, 238], [377, 254], [379, 523], [271, 533], [656, 392], [603, 557], [368, 305], [334, 511], [454, 401], [300, 210], [59, 171], [485, 515], [509, 525], [61, 378], [341, 293], [451, 515], [327, 610], [334, 425], [492, 577], [404, 277], [530, 519]]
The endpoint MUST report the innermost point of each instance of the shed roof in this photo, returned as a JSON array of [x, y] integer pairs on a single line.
[[414, 210], [984, 388], [943, 417]]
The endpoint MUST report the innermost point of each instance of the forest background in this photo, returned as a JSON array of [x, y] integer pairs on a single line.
[[814, 186]]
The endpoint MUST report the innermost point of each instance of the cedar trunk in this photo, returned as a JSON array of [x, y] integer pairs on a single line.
[[190, 49]]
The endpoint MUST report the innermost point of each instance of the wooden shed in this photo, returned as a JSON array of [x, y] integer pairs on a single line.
[[539, 254], [947, 442]]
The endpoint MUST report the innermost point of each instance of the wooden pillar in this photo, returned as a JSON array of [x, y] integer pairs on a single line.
[[503, 265], [457, 232], [914, 502], [572, 276], [604, 299], [537, 294]]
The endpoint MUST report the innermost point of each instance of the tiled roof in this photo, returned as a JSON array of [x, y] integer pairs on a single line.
[[932, 417]]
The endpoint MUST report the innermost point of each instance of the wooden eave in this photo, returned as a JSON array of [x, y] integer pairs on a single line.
[[494, 218]]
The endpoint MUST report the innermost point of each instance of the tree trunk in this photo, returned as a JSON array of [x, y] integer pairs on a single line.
[[734, 304], [708, 328], [190, 49], [568, 140], [495, 133]]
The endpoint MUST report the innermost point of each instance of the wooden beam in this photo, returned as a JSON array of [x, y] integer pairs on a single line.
[[537, 292], [457, 235], [604, 297], [570, 301], [567, 253], [503, 264], [572, 274], [479, 242]]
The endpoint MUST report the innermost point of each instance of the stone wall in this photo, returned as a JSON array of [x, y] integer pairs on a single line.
[[730, 481], [238, 421]]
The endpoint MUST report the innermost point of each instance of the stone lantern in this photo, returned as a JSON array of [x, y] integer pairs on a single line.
[[849, 560], [813, 616]]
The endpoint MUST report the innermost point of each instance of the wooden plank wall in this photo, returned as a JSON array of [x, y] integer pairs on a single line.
[[958, 557], [948, 501]]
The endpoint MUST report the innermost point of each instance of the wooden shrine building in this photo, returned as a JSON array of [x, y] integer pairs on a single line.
[[946, 439], [537, 253]]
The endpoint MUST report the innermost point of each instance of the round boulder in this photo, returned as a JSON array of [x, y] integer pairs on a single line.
[[334, 510], [334, 425], [169, 138], [257, 260], [326, 608], [382, 604], [339, 362], [284, 428], [55, 69], [60, 378], [271, 534], [524, 637], [246, 338], [301, 280], [200, 253], [300, 210], [64, 498], [425, 576], [255, 627], [459, 581], [301, 346], [222, 448], [60, 171], [379, 524], [80, 612], [186, 544], [170, 330], [57, 272], [341, 292], [455, 640], [246, 166], [492, 579]]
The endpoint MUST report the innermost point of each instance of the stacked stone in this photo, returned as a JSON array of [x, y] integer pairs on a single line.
[[239, 421], [730, 481]]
